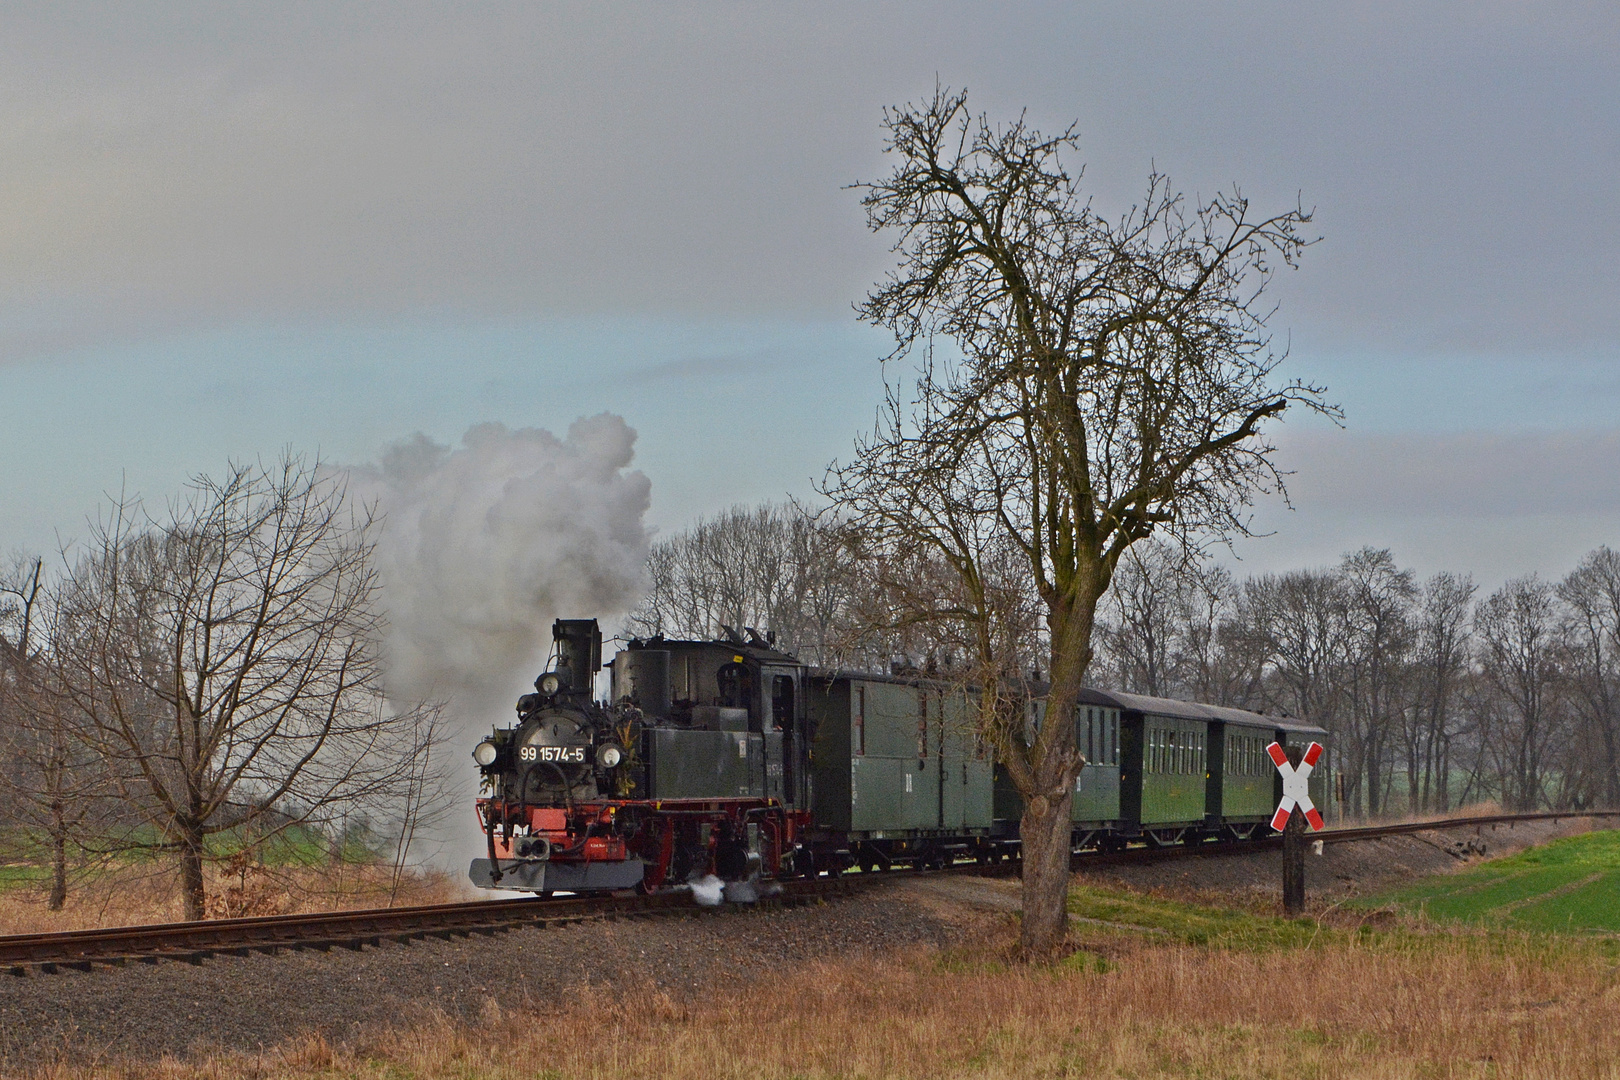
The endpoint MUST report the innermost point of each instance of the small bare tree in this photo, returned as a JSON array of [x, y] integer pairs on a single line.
[[1112, 380], [224, 660], [52, 781]]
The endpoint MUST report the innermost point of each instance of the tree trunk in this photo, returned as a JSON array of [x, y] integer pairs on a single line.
[[1413, 795], [1443, 770], [1375, 780], [1045, 832], [58, 859], [191, 874]]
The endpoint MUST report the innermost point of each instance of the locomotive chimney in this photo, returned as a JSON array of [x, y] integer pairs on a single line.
[[579, 651]]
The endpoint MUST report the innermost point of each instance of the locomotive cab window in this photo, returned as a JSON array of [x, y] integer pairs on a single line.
[[782, 702], [736, 684]]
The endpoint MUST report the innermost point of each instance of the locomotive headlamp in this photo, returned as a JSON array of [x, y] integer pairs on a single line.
[[549, 684], [609, 756], [485, 753]]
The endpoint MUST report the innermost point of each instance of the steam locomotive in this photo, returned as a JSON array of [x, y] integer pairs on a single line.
[[731, 761]]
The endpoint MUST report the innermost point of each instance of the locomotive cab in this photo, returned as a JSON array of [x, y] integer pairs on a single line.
[[695, 765]]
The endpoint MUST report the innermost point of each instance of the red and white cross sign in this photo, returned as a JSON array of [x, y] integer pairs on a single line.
[[1296, 790]]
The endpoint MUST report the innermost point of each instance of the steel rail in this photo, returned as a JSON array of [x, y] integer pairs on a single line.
[[1341, 835], [1372, 832], [195, 941]]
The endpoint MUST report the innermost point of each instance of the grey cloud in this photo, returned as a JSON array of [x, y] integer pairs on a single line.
[[180, 165]]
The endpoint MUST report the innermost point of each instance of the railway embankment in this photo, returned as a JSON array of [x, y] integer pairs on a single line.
[[1343, 870]]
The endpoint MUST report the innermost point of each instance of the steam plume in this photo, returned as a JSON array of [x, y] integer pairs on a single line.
[[484, 545]]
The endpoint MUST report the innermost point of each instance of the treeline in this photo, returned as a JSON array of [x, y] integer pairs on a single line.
[[1434, 694], [203, 680]]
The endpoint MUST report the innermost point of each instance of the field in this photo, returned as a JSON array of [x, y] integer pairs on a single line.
[[1157, 987], [129, 892], [1568, 885]]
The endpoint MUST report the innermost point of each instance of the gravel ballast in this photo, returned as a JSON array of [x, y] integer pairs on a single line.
[[246, 1003]]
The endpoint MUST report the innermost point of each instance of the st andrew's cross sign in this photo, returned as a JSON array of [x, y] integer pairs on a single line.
[[1296, 789]]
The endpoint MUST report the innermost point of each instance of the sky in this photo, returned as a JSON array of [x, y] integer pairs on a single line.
[[230, 229]]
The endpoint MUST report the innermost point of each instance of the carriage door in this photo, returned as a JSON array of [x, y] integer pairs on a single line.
[[781, 686]]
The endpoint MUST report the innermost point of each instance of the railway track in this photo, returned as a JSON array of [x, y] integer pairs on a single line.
[[1273, 842], [194, 942]]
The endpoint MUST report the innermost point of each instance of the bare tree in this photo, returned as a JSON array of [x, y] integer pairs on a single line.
[[1591, 594], [1112, 379], [1299, 619], [224, 658], [776, 568], [1144, 613], [1378, 601], [1518, 630], [1441, 664], [52, 781], [1161, 628]]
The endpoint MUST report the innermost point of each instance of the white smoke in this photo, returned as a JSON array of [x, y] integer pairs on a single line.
[[483, 546]]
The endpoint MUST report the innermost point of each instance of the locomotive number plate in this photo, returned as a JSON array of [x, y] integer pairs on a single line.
[[563, 754]]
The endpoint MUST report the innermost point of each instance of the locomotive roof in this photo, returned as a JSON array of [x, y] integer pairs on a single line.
[[764, 653]]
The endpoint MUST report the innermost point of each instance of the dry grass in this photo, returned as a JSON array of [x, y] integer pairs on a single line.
[[135, 894], [1402, 1005]]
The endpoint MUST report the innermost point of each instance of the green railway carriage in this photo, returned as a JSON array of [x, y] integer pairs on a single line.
[[1165, 770], [1097, 801], [1244, 785], [1099, 735], [896, 766]]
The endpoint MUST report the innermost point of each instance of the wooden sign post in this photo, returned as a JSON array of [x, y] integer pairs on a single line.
[[1295, 766]]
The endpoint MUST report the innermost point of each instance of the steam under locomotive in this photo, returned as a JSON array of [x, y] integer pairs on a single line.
[[732, 759]]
